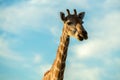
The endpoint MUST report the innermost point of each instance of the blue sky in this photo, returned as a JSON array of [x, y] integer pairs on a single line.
[[29, 37]]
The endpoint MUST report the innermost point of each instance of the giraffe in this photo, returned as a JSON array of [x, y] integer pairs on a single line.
[[72, 27]]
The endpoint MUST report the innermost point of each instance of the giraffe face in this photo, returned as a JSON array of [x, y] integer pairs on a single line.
[[74, 25]]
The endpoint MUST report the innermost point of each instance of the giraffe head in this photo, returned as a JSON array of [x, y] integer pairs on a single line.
[[73, 24]]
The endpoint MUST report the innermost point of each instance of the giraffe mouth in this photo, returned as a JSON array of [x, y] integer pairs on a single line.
[[82, 37], [85, 36]]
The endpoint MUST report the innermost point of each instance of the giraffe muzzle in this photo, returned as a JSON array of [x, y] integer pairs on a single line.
[[80, 38], [83, 36]]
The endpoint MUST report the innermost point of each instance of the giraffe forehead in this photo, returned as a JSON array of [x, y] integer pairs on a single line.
[[73, 19]]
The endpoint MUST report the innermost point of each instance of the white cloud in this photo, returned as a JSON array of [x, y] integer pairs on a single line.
[[108, 4], [42, 2], [28, 15], [94, 48], [25, 16], [14, 60], [37, 58], [55, 31], [81, 3], [38, 1], [7, 53], [82, 72]]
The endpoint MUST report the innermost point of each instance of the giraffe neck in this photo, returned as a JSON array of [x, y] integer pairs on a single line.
[[59, 63]]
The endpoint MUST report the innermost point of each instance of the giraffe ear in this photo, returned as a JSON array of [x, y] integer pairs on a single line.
[[62, 16], [81, 15]]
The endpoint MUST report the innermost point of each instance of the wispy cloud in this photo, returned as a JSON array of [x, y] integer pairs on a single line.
[[7, 53], [111, 4], [37, 58], [83, 72], [26, 16], [55, 31], [42, 2], [81, 3]]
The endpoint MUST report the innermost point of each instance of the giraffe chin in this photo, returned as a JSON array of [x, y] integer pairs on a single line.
[[80, 38]]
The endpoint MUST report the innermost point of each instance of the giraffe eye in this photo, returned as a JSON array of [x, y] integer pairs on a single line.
[[70, 23]]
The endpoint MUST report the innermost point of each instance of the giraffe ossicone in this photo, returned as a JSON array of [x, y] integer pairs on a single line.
[[72, 27]]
